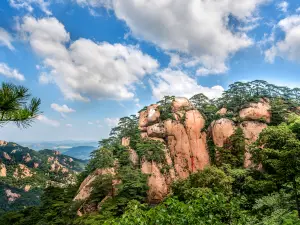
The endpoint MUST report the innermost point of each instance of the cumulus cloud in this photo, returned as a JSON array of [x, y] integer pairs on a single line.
[[62, 108], [283, 6], [289, 47], [46, 120], [87, 69], [111, 122], [172, 82], [6, 39], [95, 3], [28, 5], [69, 125], [5, 70], [45, 78], [199, 30]]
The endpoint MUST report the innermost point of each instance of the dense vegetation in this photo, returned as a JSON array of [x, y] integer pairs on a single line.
[[224, 193], [41, 177]]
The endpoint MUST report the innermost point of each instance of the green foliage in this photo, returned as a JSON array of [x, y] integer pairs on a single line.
[[234, 150], [101, 158], [165, 108], [14, 106], [151, 150]]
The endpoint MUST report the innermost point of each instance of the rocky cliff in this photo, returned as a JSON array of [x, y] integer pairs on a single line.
[[184, 137]]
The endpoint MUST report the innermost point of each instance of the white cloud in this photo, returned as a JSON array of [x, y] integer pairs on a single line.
[[171, 82], [199, 30], [90, 123], [289, 47], [10, 73], [111, 122], [87, 69], [28, 5], [298, 9], [95, 3], [46, 120], [62, 108], [6, 39], [69, 125], [283, 6], [45, 78]]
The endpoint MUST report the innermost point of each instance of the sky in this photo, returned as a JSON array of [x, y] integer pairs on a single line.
[[92, 62]]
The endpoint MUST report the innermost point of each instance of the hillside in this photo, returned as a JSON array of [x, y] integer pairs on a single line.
[[80, 152], [233, 160], [25, 173]]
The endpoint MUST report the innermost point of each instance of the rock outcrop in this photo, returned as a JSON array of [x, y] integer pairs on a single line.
[[27, 158], [222, 111], [22, 171], [6, 156], [11, 197], [257, 111], [3, 143], [251, 130], [27, 188], [221, 130], [85, 188], [2, 170]]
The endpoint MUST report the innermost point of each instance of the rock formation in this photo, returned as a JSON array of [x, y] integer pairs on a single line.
[[251, 130], [22, 171], [27, 158], [6, 156], [257, 111], [11, 197], [2, 170], [85, 188], [185, 143], [3, 143]]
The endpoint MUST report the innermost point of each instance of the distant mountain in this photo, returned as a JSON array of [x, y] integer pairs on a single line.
[[24, 173], [80, 152], [62, 146]]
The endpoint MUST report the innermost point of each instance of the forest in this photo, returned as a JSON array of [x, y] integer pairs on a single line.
[[223, 193]]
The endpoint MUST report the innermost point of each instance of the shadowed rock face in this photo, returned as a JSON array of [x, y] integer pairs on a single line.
[[257, 111], [85, 188]]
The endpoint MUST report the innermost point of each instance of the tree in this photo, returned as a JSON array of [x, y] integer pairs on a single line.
[[16, 107], [281, 157]]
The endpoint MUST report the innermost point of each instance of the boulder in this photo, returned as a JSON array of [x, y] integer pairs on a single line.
[[156, 130], [222, 111], [153, 114], [2, 170], [257, 111], [221, 130], [181, 103], [251, 130], [194, 123], [36, 165], [144, 134]]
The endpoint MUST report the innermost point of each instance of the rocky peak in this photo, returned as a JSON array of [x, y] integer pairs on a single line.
[[257, 111]]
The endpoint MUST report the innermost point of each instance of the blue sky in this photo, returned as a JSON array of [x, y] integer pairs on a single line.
[[94, 61]]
